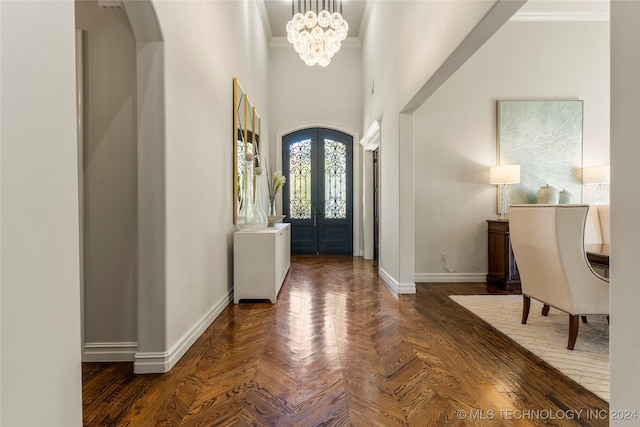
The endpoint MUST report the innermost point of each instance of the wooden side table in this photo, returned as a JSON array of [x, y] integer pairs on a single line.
[[502, 269]]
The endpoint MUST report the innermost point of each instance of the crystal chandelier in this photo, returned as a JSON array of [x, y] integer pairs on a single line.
[[316, 34]]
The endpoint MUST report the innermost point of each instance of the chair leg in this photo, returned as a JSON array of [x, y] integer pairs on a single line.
[[526, 305], [584, 319], [574, 323], [545, 310]]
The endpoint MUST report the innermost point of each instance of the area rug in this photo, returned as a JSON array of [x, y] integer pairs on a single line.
[[587, 364]]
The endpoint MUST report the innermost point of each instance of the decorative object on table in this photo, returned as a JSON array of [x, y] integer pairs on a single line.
[[548, 195], [565, 198], [276, 182], [596, 175], [252, 215], [274, 219], [544, 137], [501, 176]]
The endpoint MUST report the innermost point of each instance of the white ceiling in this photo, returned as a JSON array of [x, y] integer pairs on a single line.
[[279, 13]]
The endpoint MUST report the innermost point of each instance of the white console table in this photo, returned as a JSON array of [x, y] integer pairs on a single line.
[[261, 261]]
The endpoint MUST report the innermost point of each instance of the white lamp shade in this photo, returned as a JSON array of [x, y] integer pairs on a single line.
[[506, 174], [595, 175]]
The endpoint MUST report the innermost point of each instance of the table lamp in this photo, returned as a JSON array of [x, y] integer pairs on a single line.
[[501, 176], [596, 175]]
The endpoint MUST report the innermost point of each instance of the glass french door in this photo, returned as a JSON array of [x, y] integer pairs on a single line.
[[318, 196]]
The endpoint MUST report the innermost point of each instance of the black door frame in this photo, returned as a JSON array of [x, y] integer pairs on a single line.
[[376, 204]]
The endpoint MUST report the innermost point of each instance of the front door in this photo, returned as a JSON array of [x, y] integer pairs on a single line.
[[318, 196]]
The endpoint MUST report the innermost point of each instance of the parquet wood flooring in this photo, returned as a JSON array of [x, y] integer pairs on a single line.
[[339, 349]]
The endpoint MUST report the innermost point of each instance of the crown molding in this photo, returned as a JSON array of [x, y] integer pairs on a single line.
[[586, 16]]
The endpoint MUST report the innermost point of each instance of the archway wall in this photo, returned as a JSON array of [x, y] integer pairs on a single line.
[[108, 169], [452, 33], [188, 279]]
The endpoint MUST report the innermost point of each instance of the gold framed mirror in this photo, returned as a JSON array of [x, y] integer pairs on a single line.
[[246, 140]]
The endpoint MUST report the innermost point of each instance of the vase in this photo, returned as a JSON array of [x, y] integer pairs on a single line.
[[548, 195], [565, 197], [272, 207], [252, 215]]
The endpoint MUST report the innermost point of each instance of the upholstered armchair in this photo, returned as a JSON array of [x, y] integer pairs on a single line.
[[548, 243]]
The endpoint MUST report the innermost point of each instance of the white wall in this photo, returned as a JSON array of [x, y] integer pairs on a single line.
[[400, 62], [40, 372], [206, 44], [1, 280], [625, 209], [110, 183], [303, 96], [300, 94], [455, 132]]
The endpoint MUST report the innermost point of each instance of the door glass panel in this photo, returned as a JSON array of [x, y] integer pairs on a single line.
[[300, 180], [335, 179]]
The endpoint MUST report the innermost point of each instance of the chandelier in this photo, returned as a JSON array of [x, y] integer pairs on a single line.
[[316, 34]]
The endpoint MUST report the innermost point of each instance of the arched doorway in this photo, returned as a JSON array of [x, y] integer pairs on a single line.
[[131, 327], [318, 200]]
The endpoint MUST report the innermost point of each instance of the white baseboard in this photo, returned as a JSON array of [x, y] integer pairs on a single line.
[[450, 277], [388, 280], [151, 363], [161, 362], [109, 351], [407, 288], [395, 286]]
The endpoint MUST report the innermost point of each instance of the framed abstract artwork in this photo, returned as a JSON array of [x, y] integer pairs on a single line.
[[545, 138]]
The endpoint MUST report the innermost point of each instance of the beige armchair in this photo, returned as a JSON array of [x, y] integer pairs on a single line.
[[548, 243]]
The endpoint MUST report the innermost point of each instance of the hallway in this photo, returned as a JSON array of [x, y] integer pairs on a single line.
[[338, 349]]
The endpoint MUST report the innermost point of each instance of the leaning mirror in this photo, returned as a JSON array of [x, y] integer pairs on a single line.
[[246, 129], [239, 119]]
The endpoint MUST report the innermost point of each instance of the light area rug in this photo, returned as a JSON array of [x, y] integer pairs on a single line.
[[546, 337]]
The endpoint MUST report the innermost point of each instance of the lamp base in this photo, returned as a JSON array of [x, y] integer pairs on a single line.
[[502, 201], [599, 195]]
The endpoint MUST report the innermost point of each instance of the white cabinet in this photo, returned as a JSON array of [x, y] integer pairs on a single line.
[[261, 261]]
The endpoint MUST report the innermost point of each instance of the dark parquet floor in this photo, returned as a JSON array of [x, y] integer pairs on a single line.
[[340, 349]]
